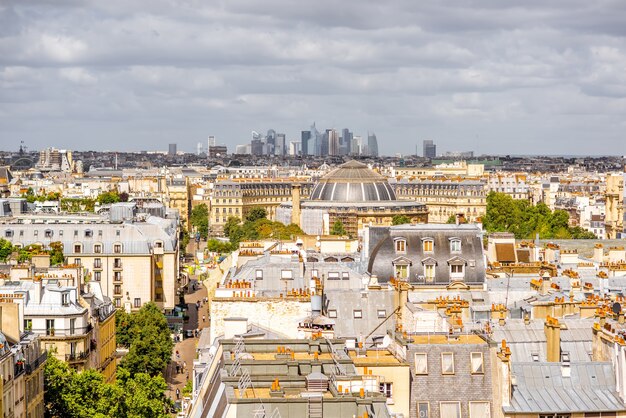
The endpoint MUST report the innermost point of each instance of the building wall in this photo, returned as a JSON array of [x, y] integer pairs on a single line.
[[614, 217], [462, 386], [281, 315]]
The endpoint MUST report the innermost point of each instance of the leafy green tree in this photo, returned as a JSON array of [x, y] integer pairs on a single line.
[[56, 253], [255, 214], [147, 336], [219, 246], [69, 394], [338, 229], [580, 233], [232, 226], [200, 219], [6, 248], [108, 198], [400, 220], [451, 219]]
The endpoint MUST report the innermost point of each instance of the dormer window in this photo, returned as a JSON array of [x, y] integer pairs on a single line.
[[400, 245], [8, 233], [78, 248], [428, 245], [158, 244], [65, 299], [455, 245], [48, 233], [88, 233], [97, 248], [117, 248]]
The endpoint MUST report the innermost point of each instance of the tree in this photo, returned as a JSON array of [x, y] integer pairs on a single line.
[[200, 219], [69, 394], [56, 253], [451, 219], [6, 248], [108, 198], [400, 220], [124, 197], [256, 213], [147, 336], [338, 229], [231, 226]]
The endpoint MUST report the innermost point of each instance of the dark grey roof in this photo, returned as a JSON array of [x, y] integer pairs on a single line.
[[542, 388], [353, 182], [382, 252]]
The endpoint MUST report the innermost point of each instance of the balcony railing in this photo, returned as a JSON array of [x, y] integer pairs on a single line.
[[35, 363], [117, 278], [77, 356], [117, 265]]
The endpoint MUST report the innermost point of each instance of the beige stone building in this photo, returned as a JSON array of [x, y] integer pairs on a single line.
[[614, 215], [134, 258]]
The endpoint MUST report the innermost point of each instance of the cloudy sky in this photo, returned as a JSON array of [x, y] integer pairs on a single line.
[[488, 76]]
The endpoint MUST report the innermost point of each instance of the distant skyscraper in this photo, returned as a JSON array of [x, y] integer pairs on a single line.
[[279, 145], [346, 141], [333, 142], [199, 148], [305, 139], [355, 146], [211, 141], [172, 149], [430, 149], [372, 144], [270, 141], [324, 143], [256, 147]]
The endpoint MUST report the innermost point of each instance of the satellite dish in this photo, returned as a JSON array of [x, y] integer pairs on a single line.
[[386, 341], [617, 308]]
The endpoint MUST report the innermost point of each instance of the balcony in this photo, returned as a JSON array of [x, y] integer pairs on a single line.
[[117, 266], [117, 292], [77, 357], [35, 363], [117, 278]]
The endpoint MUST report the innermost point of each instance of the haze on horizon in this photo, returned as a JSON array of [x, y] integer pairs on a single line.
[[545, 78]]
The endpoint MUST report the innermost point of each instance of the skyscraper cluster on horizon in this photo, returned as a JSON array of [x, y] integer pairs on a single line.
[[312, 142]]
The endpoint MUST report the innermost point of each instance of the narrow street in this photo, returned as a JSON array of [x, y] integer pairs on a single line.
[[186, 348]]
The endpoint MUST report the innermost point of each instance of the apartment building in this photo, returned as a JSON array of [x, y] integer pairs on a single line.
[[237, 197], [446, 198], [133, 256], [512, 184]]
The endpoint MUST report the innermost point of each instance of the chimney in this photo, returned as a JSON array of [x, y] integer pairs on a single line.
[[598, 253], [295, 204], [552, 328], [504, 372]]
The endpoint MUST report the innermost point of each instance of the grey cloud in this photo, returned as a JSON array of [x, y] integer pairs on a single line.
[[142, 74]]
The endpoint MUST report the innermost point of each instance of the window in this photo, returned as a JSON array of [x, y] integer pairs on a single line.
[[456, 269], [429, 272], [447, 363], [381, 313], [75, 232], [535, 356], [117, 276], [345, 276], [88, 233], [77, 248], [332, 313], [97, 248], [117, 289], [137, 302], [97, 263], [78, 262], [117, 263], [65, 299], [386, 389], [423, 410], [357, 314], [402, 271], [427, 246], [117, 302], [72, 326], [333, 275], [477, 363], [97, 276], [48, 233], [450, 409], [35, 232], [569, 416], [49, 326], [455, 246], [480, 410], [158, 244], [117, 248], [28, 324], [401, 246], [421, 363], [8, 233], [259, 274], [286, 274]]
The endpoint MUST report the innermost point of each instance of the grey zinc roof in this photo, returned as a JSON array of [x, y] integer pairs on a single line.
[[541, 388], [382, 251]]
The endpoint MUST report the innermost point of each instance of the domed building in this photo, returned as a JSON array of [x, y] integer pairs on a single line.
[[353, 194]]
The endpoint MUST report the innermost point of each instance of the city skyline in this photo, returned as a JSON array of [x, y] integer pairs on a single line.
[[540, 79]]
